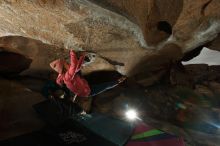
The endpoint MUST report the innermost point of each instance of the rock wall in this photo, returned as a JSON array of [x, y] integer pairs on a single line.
[[126, 32]]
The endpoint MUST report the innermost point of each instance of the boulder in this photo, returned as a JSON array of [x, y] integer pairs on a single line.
[[16, 112]]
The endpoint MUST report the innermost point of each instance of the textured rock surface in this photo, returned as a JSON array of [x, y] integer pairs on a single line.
[[16, 112], [192, 22], [142, 38], [73, 25], [127, 37]]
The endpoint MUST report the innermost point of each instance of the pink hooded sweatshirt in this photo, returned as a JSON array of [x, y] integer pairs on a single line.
[[68, 75]]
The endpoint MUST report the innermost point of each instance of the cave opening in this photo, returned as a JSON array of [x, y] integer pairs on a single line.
[[13, 63], [165, 27]]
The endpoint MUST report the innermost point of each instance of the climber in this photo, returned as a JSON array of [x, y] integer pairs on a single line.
[[69, 74]]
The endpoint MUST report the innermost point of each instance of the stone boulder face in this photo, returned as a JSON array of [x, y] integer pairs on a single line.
[[194, 74], [187, 23], [17, 114], [155, 18], [71, 25], [128, 36], [27, 56]]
